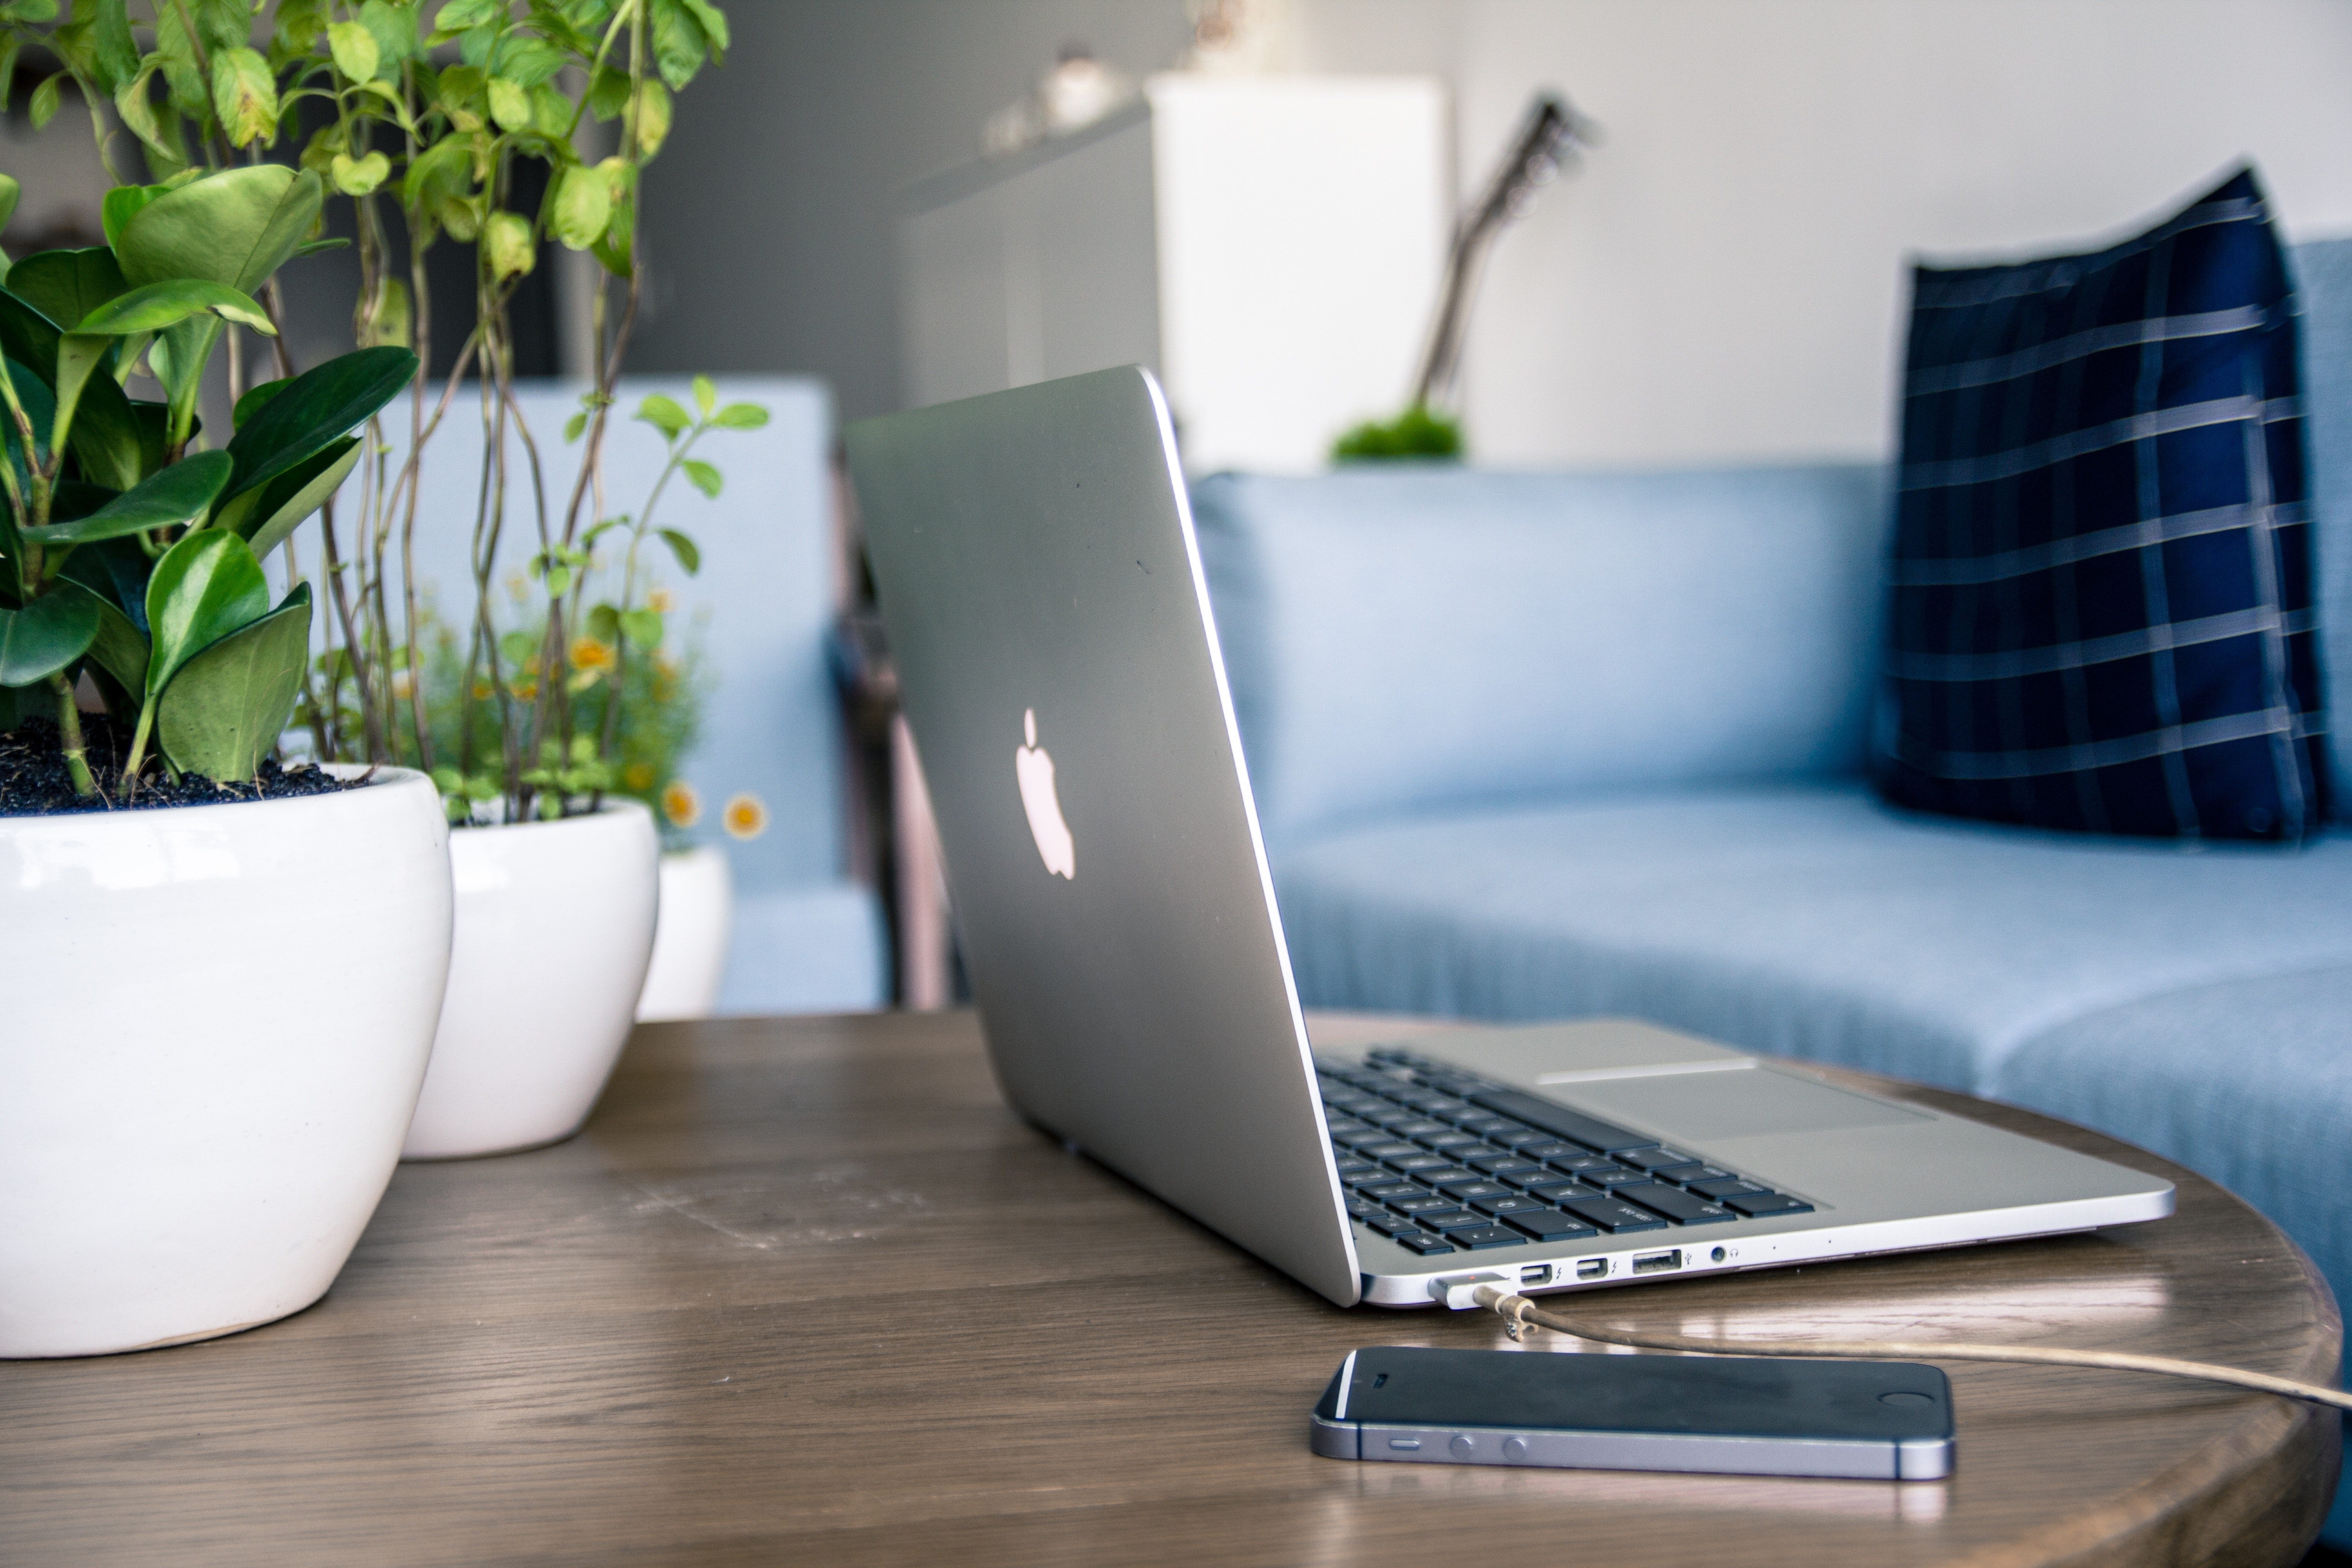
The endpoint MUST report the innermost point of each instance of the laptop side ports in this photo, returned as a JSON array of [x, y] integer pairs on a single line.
[[1592, 1269], [1657, 1262]]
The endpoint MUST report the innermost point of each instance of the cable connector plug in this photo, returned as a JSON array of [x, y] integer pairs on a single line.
[[1459, 1291]]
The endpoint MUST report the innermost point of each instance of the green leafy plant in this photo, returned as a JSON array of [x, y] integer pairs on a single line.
[[1415, 433], [132, 555], [611, 676]]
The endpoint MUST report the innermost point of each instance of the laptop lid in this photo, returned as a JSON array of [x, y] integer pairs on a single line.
[[1058, 660]]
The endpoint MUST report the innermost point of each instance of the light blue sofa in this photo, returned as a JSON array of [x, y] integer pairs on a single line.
[[1544, 745], [806, 937]]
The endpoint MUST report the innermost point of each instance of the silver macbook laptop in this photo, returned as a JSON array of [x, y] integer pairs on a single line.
[[1059, 664]]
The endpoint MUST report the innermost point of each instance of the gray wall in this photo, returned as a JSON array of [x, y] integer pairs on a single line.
[[771, 215]]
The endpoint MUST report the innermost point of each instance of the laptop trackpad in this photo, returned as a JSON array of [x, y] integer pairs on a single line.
[[1704, 1106]]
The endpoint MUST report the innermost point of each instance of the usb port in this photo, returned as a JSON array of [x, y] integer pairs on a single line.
[[1657, 1262], [1536, 1274], [1592, 1269]]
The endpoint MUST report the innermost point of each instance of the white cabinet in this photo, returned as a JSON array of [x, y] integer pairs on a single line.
[[1271, 245]]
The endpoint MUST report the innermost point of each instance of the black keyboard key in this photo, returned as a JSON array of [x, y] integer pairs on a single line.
[[1454, 1143], [1485, 1236], [1559, 1189], [1446, 1222], [1555, 1118], [1549, 1225], [1681, 1207], [1361, 1209], [1620, 1178], [1425, 1245], [1509, 1205], [1437, 1176], [1577, 1162], [1612, 1215], [1343, 1129], [1386, 1190], [1388, 1148], [1420, 1160], [1422, 1202], [1502, 1128], [1729, 1187], [1505, 1165], [1757, 1205], [1659, 1159], [1364, 1180], [1473, 1190], [1684, 1176], [1544, 1146], [1352, 1165], [1416, 1127], [1446, 1108]]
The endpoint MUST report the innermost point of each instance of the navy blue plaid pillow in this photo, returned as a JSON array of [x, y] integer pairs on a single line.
[[2099, 606]]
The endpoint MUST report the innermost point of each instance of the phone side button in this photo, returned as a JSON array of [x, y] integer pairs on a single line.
[[1405, 1444], [1515, 1448]]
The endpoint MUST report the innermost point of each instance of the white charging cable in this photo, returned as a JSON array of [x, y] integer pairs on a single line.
[[1518, 1312]]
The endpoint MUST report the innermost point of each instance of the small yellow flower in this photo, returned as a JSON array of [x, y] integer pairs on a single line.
[[591, 653], [403, 685], [519, 586], [661, 601], [681, 804], [483, 690], [746, 816], [637, 777], [527, 690]]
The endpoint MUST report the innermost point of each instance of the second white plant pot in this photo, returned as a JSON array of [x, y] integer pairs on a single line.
[[554, 927]]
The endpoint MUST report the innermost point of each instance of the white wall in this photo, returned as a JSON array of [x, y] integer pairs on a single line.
[[1725, 279]]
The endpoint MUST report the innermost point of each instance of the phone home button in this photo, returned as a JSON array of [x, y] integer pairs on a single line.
[[1464, 1444], [1515, 1448]]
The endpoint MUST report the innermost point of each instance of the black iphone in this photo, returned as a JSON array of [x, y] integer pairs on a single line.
[[1756, 1415]]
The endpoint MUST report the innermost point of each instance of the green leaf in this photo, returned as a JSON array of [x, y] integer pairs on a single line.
[[507, 244], [394, 28], [706, 396], [688, 554], [106, 438], [529, 62], [318, 408], [235, 228], [357, 176], [10, 193], [559, 582], [224, 711], [642, 627], [206, 586], [664, 415], [354, 49], [608, 98], [27, 336], [98, 42], [66, 285], [244, 97], [158, 130], [176, 495], [80, 356], [581, 207], [287, 501], [509, 103], [705, 478], [654, 109], [118, 647], [46, 636], [156, 306], [122, 204], [575, 425], [679, 47], [550, 113], [254, 396], [740, 416], [315, 246], [116, 571], [604, 622], [44, 107], [459, 14]]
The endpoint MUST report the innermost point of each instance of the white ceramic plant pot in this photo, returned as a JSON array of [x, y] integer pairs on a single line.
[[216, 1020], [697, 910], [555, 922]]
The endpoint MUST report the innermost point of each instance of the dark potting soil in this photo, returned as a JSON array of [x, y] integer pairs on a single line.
[[33, 781]]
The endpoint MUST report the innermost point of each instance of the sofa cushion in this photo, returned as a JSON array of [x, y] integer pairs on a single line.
[[1408, 637], [1810, 919], [2100, 587]]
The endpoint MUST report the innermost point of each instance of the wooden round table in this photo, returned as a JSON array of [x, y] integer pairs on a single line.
[[805, 1290]]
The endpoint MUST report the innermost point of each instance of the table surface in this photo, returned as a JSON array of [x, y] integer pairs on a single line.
[[806, 1287]]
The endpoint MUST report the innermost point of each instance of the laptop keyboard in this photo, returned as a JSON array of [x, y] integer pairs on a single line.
[[1440, 1160]]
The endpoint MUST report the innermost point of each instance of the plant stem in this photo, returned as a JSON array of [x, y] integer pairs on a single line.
[[69, 736]]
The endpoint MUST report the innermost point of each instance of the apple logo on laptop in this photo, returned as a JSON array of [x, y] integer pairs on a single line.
[[1034, 767]]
